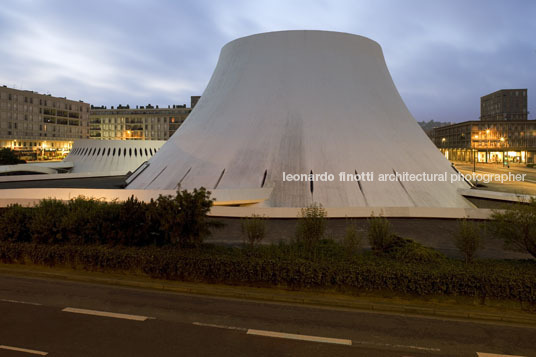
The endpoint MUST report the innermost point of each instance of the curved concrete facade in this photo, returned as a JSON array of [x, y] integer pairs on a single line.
[[112, 156], [299, 102]]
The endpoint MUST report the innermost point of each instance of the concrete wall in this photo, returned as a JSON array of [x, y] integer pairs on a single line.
[[435, 233]]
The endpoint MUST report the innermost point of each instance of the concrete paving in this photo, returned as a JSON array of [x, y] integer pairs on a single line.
[[528, 186]]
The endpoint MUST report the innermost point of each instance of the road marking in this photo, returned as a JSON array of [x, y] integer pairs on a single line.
[[21, 302], [18, 349], [106, 314], [292, 336], [389, 345], [483, 354], [220, 326]]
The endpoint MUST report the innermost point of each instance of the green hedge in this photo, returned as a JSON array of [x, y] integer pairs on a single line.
[[179, 220], [486, 279]]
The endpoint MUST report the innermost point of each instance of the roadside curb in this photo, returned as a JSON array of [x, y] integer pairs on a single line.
[[276, 295]]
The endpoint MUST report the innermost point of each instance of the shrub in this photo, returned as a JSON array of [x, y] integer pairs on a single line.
[[517, 227], [365, 273], [311, 226], [379, 234], [183, 218], [408, 251], [468, 239], [254, 229], [14, 224], [46, 223], [90, 221], [8, 157], [351, 242], [135, 227]]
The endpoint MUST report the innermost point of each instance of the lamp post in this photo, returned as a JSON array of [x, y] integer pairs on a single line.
[[487, 146], [474, 155], [504, 153]]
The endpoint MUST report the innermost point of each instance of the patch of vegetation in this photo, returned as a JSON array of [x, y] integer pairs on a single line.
[[516, 226], [8, 157], [254, 229], [179, 220], [468, 239]]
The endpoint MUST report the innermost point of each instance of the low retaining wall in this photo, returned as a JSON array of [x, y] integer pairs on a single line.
[[431, 232]]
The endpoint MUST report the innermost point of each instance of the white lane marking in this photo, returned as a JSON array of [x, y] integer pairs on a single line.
[[483, 354], [379, 344], [220, 326], [292, 336], [18, 349], [315, 338], [106, 314], [21, 302]]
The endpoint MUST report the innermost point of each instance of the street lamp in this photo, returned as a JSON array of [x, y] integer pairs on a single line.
[[487, 146], [504, 153], [474, 155]]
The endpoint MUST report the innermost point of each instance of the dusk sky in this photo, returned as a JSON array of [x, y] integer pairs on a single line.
[[442, 55]]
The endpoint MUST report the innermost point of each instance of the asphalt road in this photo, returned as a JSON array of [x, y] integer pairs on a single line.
[[42, 317]]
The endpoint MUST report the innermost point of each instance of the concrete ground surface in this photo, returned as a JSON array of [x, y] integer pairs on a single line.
[[44, 316], [528, 186], [109, 182]]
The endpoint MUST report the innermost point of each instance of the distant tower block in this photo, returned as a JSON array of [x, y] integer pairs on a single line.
[[301, 102]]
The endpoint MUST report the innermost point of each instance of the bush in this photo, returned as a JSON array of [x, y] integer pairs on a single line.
[[352, 240], [468, 239], [408, 251], [492, 279], [8, 157], [311, 226], [517, 227], [254, 229], [46, 223], [14, 224], [180, 220], [183, 218], [90, 221], [379, 234]]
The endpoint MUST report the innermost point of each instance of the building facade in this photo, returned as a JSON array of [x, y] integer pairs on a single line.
[[142, 123], [497, 141], [505, 104], [502, 135], [40, 126]]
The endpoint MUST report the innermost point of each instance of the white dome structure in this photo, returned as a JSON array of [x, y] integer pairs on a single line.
[[301, 102], [110, 156]]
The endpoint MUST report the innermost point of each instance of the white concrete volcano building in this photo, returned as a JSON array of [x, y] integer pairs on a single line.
[[301, 102]]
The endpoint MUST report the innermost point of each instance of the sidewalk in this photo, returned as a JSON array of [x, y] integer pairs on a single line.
[[440, 307]]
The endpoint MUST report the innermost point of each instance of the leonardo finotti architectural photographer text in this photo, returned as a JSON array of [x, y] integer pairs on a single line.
[[404, 177]]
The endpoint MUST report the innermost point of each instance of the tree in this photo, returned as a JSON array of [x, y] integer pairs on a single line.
[[468, 239], [183, 218], [516, 226], [254, 228], [380, 235], [8, 157], [311, 226]]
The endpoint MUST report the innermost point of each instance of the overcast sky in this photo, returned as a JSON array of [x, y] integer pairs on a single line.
[[442, 55]]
